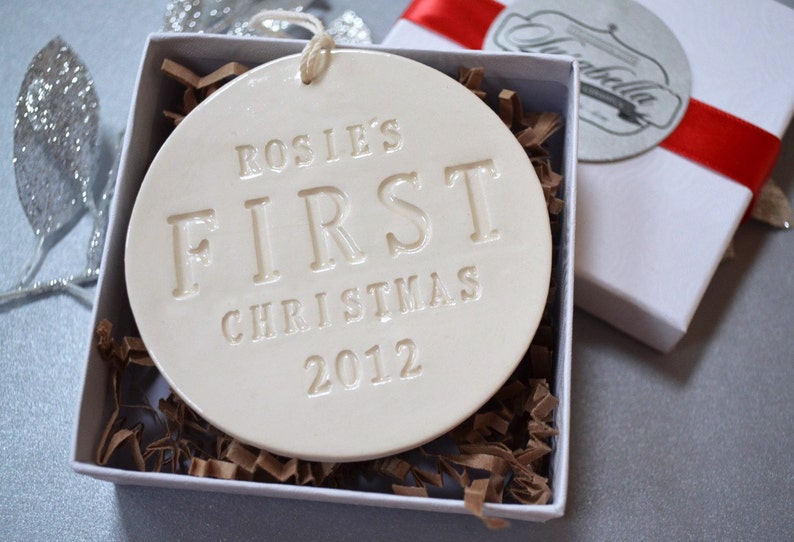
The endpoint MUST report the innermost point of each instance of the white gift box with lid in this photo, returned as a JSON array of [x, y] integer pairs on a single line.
[[653, 229], [545, 83]]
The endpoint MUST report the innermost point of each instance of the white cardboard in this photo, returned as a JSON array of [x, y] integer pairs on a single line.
[[652, 229], [545, 83]]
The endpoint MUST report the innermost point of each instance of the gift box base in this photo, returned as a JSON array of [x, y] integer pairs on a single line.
[[544, 83]]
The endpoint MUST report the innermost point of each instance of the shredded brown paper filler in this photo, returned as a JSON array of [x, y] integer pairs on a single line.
[[772, 207], [500, 454]]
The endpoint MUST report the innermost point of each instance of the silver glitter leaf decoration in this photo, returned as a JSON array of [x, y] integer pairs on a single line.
[[100, 210], [349, 29], [56, 134], [222, 16]]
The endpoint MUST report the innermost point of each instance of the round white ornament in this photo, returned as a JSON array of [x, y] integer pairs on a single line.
[[341, 270]]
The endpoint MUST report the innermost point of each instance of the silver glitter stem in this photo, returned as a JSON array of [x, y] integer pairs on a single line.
[[72, 284], [34, 262]]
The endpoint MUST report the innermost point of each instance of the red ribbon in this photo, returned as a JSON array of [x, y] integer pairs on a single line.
[[726, 144], [464, 22], [706, 135]]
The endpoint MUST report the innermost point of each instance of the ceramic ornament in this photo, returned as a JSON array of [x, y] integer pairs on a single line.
[[339, 270]]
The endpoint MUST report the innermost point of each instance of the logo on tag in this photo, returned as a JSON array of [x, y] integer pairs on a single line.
[[633, 91]]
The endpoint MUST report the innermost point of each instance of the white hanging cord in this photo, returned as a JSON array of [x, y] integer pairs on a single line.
[[314, 58]]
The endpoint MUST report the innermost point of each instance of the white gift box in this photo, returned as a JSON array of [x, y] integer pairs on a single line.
[[653, 229], [545, 84]]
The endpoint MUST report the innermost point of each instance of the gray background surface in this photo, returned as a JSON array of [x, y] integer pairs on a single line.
[[691, 445]]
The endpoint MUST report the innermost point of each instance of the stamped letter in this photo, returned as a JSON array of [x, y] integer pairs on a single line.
[[355, 309], [322, 309], [440, 295], [474, 175], [379, 290], [293, 317], [323, 232], [468, 277], [408, 294], [303, 150], [231, 338], [330, 146], [262, 319], [249, 167], [358, 140], [264, 256], [406, 210], [276, 155], [188, 254], [391, 130]]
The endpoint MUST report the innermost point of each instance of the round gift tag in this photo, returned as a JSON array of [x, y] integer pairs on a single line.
[[341, 270], [635, 77]]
